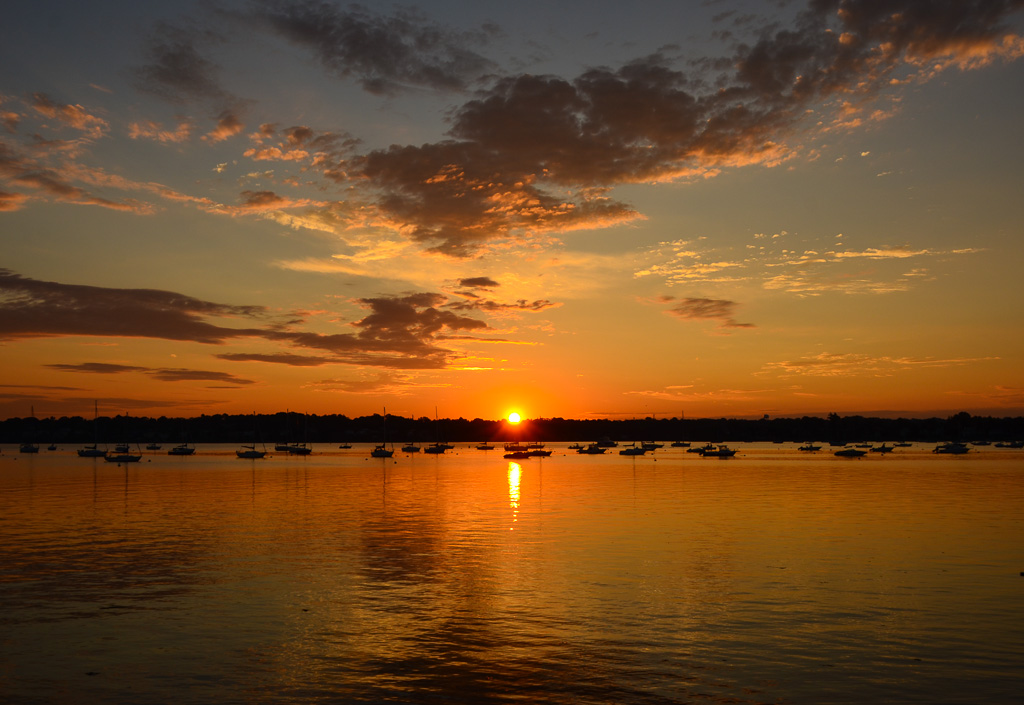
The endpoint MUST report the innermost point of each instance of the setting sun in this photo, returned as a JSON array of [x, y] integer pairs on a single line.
[[514, 417]]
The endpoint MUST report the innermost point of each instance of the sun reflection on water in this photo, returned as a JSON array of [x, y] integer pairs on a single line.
[[514, 473]]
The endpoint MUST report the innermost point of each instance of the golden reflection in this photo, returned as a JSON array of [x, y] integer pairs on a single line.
[[514, 473]]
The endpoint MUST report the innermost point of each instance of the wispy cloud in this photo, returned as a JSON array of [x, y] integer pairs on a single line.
[[805, 273], [861, 364], [164, 374]]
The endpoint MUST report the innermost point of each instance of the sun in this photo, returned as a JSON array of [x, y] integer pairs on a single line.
[[514, 417]]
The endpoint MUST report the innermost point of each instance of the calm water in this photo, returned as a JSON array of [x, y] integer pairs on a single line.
[[772, 577]]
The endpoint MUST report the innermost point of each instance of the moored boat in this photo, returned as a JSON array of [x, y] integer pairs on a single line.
[[249, 452], [719, 452], [182, 449]]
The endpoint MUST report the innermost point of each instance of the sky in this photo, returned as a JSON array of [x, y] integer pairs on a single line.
[[578, 209]]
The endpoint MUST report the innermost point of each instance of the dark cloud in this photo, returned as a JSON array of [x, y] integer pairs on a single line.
[[478, 283], [713, 309], [385, 53], [30, 308], [459, 195], [177, 69], [400, 332], [496, 306], [280, 358], [164, 374], [103, 368], [535, 154]]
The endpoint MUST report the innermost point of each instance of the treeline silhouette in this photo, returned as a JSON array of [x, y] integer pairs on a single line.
[[337, 428]]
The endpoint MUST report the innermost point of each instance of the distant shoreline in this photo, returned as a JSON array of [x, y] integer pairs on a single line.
[[338, 428]]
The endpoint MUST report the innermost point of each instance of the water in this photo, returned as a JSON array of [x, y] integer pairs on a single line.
[[772, 577]]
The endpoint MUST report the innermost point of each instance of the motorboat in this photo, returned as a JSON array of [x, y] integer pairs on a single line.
[[650, 445], [633, 450], [485, 446], [680, 444], [719, 452], [882, 449], [410, 448], [951, 448], [592, 449], [92, 452], [850, 453], [810, 447]]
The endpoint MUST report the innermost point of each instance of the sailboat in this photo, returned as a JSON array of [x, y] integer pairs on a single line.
[[182, 449], [123, 454], [93, 451], [28, 446], [381, 451], [438, 447], [249, 452], [297, 448]]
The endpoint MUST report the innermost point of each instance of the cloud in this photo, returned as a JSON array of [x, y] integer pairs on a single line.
[[164, 374], [478, 283], [860, 364], [712, 309], [19, 169], [807, 273], [30, 308], [385, 53], [103, 368], [229, 124], [71, 115], [152, 130], [11, 201], [499, 307], [280, 359], [177, 70], [401, 332], [255, 202], [534, 154]]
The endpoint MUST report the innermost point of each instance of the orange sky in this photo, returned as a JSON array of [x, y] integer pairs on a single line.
[[557, 210]]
